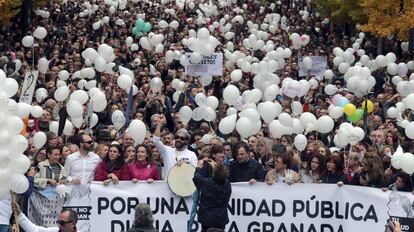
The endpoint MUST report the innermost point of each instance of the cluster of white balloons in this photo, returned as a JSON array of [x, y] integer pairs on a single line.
[[153, 41], [299, 41], [42, 13], [13, 164], [101, 59], [202, 44], [39, 33], [359, 80], [348, 134], [205, 110], [403, 160]]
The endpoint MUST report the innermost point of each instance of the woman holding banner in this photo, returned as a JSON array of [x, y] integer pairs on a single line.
[[113, 168], [211, 179], [144, 167], [334, 171]]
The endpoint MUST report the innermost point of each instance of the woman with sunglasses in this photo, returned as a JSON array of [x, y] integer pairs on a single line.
[[144, 167], [113, 168]]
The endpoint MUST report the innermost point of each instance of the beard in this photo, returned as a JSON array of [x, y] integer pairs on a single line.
[[180, 145], [88, 148]]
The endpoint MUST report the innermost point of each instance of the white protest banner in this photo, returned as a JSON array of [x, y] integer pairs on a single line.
[[28, 87], [319, 65], [252, 208], [208, 66]]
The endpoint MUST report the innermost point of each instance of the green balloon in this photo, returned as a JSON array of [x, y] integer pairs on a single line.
[[139, 33], [135, 30], [140, 24], [359, 113], [147, 27]]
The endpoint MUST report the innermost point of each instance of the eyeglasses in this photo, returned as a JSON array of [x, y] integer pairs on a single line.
[[180, 138], [88, 142], [62, 223]]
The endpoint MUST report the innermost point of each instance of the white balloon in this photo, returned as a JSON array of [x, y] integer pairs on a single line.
[[409, 130], [200, 99], [24, 110], [236, 75], [74, 109], [43, 65], [39, 139], [227, 124], [138, 130], [231, 94], [99, 102], [80, 96], [300, 142], [407, 163], [325, 124], [269, 110], [307, 61], [124, 81], [156, 84], [118, 119], [18, 144], [286, 120], [392, 112], [331, 89], [396, 158], [37, 111], [28, 41], [212, 102], [336, 112], [250, 113], [18, 183], [100, 64], [61, 93], [307, 119], [243, 127], [40, 33], [185, 114], [77, 122], [68, 129]]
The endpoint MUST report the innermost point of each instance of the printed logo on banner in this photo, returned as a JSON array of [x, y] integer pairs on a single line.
[[83, 211]]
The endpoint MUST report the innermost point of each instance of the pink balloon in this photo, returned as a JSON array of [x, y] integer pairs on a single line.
[[336, 98]]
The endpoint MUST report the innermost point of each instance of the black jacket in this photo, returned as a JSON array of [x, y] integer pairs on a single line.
[[334, 177], [214, 197], [243, 172], [142, 228]]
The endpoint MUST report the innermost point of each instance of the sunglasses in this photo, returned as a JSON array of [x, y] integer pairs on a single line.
[[88, 142], [62, 223], [180, 138]]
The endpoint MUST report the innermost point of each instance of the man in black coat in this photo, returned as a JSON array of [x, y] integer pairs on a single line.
[[244, 168], [215, 194]]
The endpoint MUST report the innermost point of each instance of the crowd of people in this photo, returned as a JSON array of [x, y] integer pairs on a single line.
[[111, 155]]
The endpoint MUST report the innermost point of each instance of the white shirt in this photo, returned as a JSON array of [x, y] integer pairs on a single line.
[[171, 155], [81, 167], [27, 225], [5, 210]]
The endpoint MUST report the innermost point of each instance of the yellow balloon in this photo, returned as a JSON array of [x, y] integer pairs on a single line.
[[370, 105], [349, 109]]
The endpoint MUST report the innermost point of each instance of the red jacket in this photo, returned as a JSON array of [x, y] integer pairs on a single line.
[[144, 171], [102, 171]]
